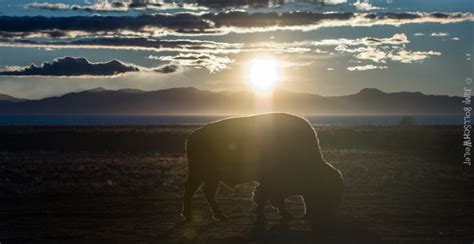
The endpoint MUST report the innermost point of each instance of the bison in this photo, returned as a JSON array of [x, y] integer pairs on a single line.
[[279, 151]]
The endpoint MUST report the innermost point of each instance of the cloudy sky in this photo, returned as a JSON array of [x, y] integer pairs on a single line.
[[333, 48]]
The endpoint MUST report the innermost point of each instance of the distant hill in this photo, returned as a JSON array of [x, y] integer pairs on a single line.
[[192, 101], [8, 98]]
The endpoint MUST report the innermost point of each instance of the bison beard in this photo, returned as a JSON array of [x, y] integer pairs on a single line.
[[279, 151]]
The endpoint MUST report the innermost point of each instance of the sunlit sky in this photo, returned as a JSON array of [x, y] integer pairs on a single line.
[[404, 45]]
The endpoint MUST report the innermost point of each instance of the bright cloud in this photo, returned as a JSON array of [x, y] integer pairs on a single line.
[[49, 6], [373, 54], [364, 6], [210, 62], [439, 34], [365, 67], [214, 56], [405, 56], [335, 1]]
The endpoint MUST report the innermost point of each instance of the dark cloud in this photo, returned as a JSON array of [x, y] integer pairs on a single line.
[[188, 23], [181, 22], [390, 15], [166, 69], [71, 66], [142, 3], [123, 6], [9, 36], [133, 43], [233, 3], [144, 42], [243, 19], [96, 7]]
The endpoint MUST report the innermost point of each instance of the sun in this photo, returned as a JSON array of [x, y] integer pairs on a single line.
[[263, 74]]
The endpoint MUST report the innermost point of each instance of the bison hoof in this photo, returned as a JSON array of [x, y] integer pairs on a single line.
[[185, 217], [219, 217]]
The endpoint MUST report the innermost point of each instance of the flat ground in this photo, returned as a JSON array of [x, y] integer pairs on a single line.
[[403, 185]]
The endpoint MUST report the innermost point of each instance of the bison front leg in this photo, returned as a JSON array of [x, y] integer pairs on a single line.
[[210, 189], [307, 209], [280, 204], [192, 184], [260, 197]]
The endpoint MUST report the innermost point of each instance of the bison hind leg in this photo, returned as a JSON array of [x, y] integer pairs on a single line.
[[260, 198], [210, 189], [191, 186]]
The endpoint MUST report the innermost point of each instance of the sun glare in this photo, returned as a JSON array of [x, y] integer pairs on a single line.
[[263, 75]]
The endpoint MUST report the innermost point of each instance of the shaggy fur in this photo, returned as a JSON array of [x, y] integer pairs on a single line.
[[279, 151]]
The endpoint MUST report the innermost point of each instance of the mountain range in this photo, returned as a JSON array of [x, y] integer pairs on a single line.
[[192, 101]]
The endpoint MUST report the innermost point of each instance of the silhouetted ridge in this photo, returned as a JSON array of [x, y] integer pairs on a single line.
[[192, 101], [371, 91], [98, 89], [8, 98]]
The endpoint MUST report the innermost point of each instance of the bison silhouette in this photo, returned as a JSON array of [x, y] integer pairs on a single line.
[[279, 151]]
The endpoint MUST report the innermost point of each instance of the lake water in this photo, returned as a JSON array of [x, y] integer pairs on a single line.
[[183, 120]]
